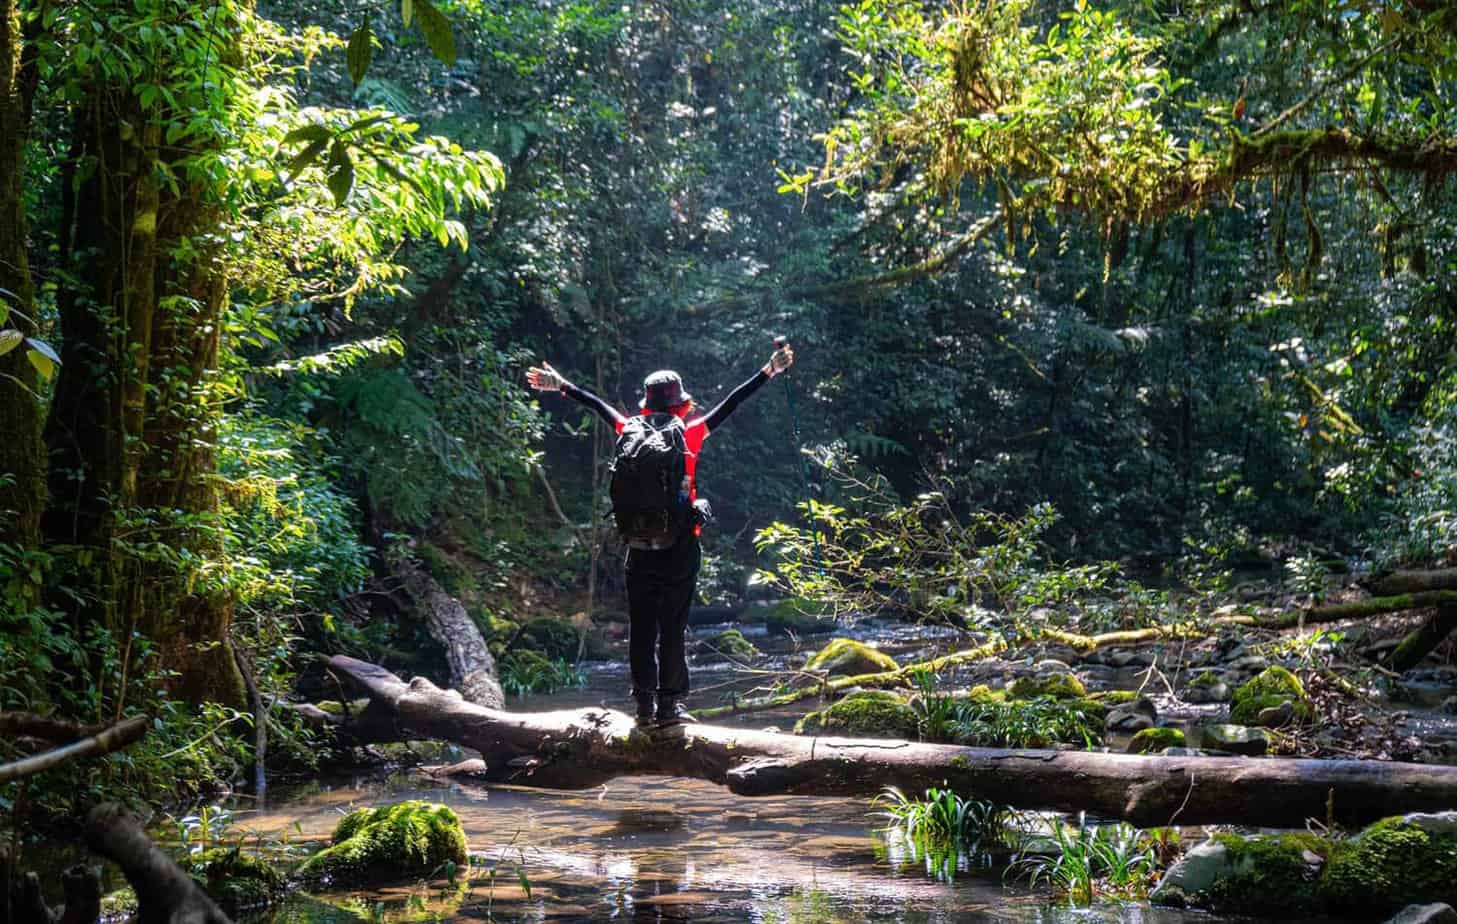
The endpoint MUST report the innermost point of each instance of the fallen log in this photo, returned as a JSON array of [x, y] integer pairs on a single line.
[[1415, 581], [1421, 641], [472, 668], [105, 741], [1376, 606], [165, 893], [898, 677], [579, 749]]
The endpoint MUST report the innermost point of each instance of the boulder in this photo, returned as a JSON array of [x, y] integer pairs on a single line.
[[1156, 739], [728, 645], [845, 656], [1192, 876], [237, 881], [407, 840], [872, 713], [1207, 687], [1132, 717], [1236, 739], [1435, 913], [1058, 685], [1268, 690]]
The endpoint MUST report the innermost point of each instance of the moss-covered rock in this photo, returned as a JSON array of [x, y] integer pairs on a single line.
[[845, 656], [1267, 690], [1236, 739], [1115, 697], [873, 714], [1269, 874], [1056, 686], [728, 645], [236, 881], [1394, 862], [1156, 739], [402, 841], [799, 616], [557, 639]]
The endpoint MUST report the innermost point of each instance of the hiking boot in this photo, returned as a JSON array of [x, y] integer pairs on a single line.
[[645, 715], [673, 712]]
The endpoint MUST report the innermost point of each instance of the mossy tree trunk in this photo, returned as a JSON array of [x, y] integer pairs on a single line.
[[1421, 641], [131, 430], [23, 493]]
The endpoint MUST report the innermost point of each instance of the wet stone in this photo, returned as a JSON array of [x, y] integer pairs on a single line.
[[1237, 739], [1133, 717], [1435, 913]]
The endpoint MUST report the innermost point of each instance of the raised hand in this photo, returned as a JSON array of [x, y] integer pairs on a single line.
[[545, 378], [779, 361]]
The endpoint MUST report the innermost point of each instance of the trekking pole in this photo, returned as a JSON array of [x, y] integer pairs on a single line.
[[779, 344]]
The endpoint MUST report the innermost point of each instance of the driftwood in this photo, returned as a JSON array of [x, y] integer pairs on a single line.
[[1406, 582], [472, 669], [1422, 640], [105, 741], [165, 894], [584, 748]]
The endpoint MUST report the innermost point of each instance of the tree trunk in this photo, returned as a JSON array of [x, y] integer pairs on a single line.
[[585, 748], [1425, 638], [133, 418], [1406, 582], [165, 894], [23, 493], [472, 668]]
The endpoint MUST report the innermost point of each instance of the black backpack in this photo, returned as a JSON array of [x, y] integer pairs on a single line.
[[649, 482]]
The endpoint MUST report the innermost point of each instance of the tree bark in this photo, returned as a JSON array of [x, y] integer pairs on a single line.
[[22, 452], [1406, 582], [472, 668], [1419, 643], [165, 894], [123, 734], [585, 748]]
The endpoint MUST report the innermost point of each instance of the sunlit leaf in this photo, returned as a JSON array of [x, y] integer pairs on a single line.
[[9, 340], [360, 51]]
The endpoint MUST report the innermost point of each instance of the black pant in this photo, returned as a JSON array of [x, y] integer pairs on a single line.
[[660, 588]]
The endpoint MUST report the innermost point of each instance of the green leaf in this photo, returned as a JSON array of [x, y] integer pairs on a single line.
[[341, 172], [42, 364], [305, 157], [311, 132], [9, 340], [438, 34], [407, 11], [43, 348], [360, 51], [525, 882]]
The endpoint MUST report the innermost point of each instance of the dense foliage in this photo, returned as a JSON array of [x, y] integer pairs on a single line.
[[1076, 288]]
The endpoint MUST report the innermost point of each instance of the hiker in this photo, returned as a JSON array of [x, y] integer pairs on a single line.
[[656, 505]]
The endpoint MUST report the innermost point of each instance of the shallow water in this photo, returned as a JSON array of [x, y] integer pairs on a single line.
[[662, 850], [667, 850]]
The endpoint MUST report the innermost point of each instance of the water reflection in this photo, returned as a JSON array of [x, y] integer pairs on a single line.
[[669, 851]]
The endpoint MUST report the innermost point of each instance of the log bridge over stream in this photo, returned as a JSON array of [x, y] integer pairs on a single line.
[[579, 749]]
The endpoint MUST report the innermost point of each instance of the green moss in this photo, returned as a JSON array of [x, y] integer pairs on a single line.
[[1156, 739], [849, 657], [875, 714], [1389, 865], [236, 881], [1271, 687], [799, 616], [729, 644], [402, 841], [1114, 697], [555, 638], [983, 694], [1056, 686], [454, 577], [334, 707], [1205, 679], [1269, 874]]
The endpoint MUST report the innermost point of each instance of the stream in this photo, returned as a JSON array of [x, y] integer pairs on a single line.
[[661, 850]]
